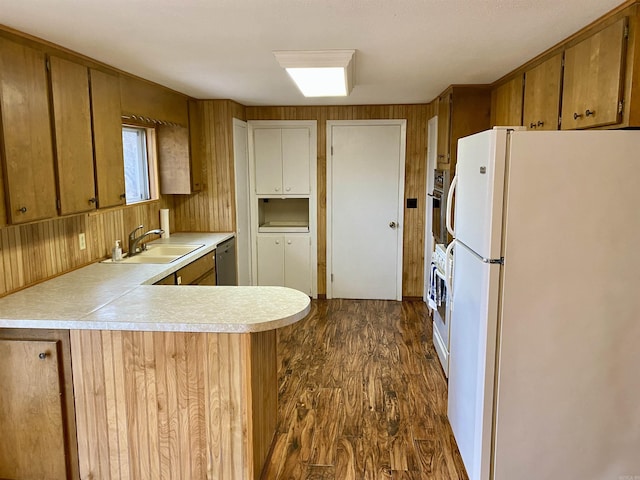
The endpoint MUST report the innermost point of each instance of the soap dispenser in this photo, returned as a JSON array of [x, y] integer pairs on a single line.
[[116, 252]]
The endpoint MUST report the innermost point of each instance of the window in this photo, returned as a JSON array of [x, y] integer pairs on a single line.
[[137, 182]]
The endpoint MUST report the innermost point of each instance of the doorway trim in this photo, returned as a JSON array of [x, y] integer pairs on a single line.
[[402, 123]]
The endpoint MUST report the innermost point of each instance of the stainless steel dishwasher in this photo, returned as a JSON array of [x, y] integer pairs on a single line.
[[226, 272]]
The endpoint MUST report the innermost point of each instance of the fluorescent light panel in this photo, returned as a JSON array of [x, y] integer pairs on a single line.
[[323, 73]]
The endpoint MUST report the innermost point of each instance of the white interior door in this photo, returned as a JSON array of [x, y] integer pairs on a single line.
[[365, 192], [243, 217]]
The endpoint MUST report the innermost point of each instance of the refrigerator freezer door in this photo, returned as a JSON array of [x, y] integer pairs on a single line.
[[568, 385], [479, 194], [472, 358]]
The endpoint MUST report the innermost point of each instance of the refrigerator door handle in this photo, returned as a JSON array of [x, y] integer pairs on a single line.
[[452, 189]]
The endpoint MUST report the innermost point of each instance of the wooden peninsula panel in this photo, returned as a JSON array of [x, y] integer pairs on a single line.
[[174, 404]]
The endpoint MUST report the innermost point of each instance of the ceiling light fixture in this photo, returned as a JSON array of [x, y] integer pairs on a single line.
[[320, 73]]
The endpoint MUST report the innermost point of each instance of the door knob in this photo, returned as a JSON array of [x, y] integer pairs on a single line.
[[393, 224]]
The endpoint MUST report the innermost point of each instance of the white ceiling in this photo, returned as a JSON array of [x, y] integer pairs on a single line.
[[408, 51]]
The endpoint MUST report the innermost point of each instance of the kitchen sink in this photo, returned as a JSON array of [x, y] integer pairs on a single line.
[[159, 253]]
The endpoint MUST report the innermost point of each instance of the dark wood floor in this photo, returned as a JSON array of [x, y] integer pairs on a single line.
[[362, 396]]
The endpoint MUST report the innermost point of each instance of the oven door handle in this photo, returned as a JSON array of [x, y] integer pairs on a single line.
[[448, 273], [452, 189]]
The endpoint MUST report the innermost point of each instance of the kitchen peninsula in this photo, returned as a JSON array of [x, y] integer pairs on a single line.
[[155, 381]]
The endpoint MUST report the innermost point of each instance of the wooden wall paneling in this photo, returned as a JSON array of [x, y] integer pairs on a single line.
[[264, 374], [173, 405], [34, 252], [415, 179]]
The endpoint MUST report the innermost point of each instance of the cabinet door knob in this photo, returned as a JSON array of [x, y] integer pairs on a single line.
[[288, 242], [288, 189], [577, 116], [393, 224], [22, 209], [277, 189], [123, 195], [588, 112], [277, 242], [42, 355], [540, 123], [92, 200], [532, 125]]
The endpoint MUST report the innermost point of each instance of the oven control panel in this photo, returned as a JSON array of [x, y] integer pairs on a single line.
[[440, 257]]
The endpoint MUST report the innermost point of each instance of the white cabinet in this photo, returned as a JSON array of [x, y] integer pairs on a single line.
[[283, 203], [282, 161], [285, 260]]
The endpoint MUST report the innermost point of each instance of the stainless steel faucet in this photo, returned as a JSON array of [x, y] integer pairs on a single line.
[[134, 242]]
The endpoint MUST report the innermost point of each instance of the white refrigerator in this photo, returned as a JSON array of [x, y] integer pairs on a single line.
[[544, 373]]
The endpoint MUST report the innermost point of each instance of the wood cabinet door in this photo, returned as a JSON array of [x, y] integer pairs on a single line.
[[73, 140], [542, 95], [196, 150], [173, 159], [297, 263], [31, 419], [27, 147], [190, 274], [593, 79], [107, 138], [270, 260], [444, 130], [506, 103], [267, 147], [295, 161]]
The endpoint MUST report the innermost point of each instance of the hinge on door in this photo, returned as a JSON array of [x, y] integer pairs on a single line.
[[332, 277], [625, 32], [58, 205], [47, 65], [559, 122], [620, 107], [562, 62], [331, 149]]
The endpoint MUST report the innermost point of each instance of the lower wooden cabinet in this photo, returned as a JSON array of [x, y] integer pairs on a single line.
[[201, 271], [285, 260], [37, 418]]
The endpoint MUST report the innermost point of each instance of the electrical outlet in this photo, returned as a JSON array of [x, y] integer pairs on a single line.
[[82, 241]]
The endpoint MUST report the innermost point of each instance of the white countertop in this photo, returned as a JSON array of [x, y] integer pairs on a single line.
[[121, 296]]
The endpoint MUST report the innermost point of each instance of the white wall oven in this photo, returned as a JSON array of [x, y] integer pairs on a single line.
[[439, 210]]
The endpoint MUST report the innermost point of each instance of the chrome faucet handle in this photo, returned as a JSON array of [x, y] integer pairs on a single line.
[[132, 235]]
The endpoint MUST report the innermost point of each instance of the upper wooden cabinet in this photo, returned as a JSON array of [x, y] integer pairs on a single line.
[[462, 110], [142, 98], [27, 147], [180, 153], [593, 79], [506, 103], [282, 163], [107, 138], [542, 95], [73, 140]]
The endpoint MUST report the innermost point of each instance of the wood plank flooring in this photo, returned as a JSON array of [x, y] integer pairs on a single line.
[[362, 396]]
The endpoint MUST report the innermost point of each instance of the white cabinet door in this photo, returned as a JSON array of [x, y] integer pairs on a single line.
[[270, 263], [268, 160], [295, 161], [297, 263]]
